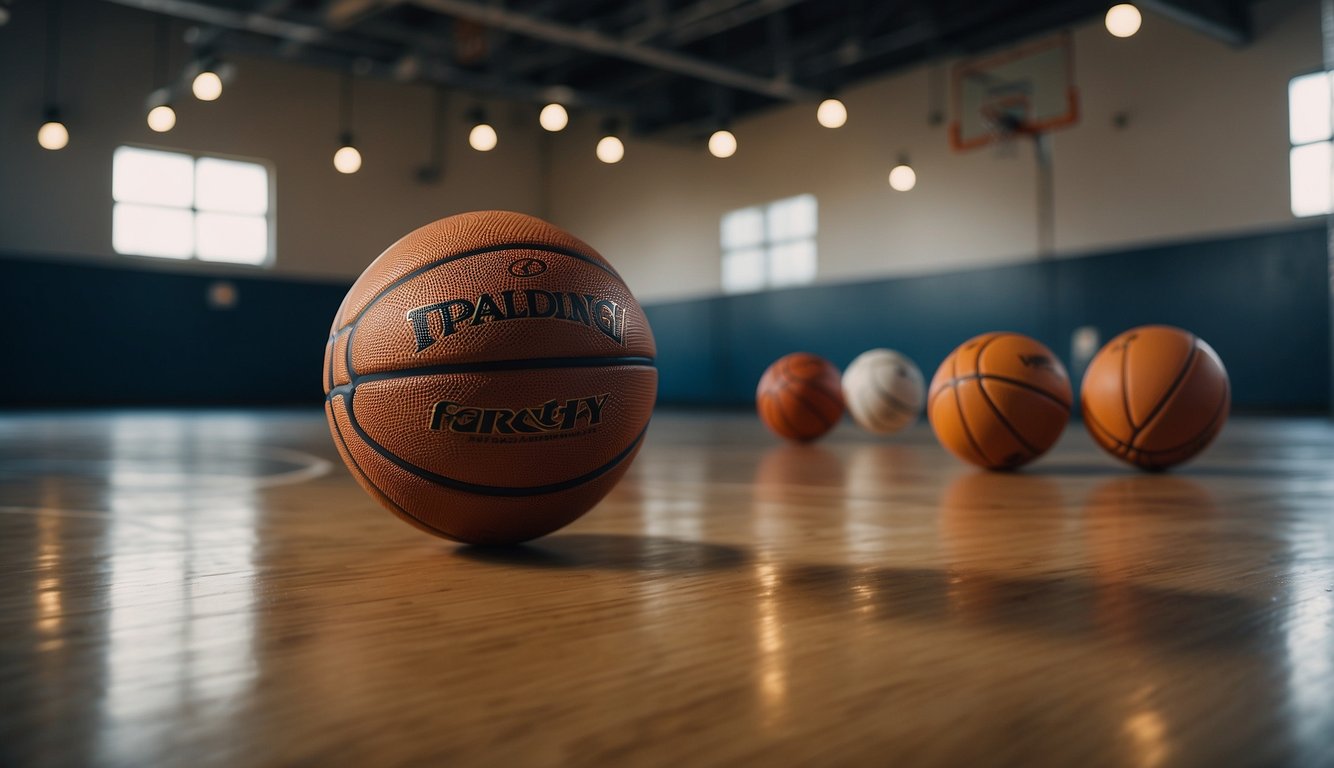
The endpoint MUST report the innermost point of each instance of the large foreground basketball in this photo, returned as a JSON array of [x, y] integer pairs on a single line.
[[1155, 396], [1000, 400], [489, 378]]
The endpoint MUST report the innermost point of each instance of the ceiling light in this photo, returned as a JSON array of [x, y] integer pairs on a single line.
[[722, 144], [53, 135], [1123, 20], [347, 159], [902, 177], [554, 118], [207, 86], [482, 137], [162, 118], [831, 113], [610, 150]]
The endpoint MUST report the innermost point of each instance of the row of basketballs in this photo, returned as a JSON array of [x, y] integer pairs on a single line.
[[1154, 397]]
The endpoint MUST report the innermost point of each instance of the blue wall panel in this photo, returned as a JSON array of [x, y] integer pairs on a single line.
[[76, 334], [1261, 300]]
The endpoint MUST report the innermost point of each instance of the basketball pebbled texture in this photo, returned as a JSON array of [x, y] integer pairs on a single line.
[[799, 397], [489, 378], [884, 391], [1155, 396], [1000, 400]]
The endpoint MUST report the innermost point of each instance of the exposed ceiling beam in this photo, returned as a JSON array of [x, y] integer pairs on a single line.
[[1219, 19], [708, 18], [341, 14], [597, 42], [376, 52], [258, 23], [897, 41], [703, 19], [781, 45]]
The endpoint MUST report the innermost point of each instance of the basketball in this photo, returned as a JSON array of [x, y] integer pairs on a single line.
[[884, 391], [489, 378], [1155, 396], [1000, 400], [799, 397]]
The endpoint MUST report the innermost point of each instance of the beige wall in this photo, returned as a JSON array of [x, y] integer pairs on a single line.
[[1205, 153], [328, 225]]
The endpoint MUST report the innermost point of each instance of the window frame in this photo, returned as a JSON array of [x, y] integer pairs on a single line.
[[766, 244], [194, 260]]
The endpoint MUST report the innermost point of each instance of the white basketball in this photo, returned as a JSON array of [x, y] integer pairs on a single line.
[[884, 391]]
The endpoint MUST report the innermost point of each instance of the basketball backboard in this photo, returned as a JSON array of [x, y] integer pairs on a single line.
[[1024, 90]]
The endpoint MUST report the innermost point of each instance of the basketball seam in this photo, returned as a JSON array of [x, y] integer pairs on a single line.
[[1197, 443], [963, 422], [478, 488], [807, 403], [981, 387], [897, 409], [333, 418], [777, 408], [764, 404], [814, 385], [329, 382], [1125, 391], [890, 421], [1159, 451], [530, 364], [977, 361], [1015, 382], [931, 394], [1171, 391], [1091, 419], [1213, 421], [891, 398], [347, 353]]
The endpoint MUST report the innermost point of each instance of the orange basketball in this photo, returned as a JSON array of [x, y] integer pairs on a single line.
[[1155, 396], [800, 396], [489, 378], [1000, 400]]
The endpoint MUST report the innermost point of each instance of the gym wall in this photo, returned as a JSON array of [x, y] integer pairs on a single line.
[[921, 270], [1204, 154], [328, 225], [1260, 300]]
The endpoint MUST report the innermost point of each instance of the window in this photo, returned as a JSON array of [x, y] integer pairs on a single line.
[[1311, 128], [769, 246], [173, 205]]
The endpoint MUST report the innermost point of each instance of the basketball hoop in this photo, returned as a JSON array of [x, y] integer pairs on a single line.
[[1007, 120], [1025, 91]]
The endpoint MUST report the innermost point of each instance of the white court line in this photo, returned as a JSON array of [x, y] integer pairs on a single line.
[[313, 467]]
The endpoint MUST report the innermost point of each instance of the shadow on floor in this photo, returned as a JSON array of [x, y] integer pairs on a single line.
[[1105, 470], [612, 552], [1114, 610]]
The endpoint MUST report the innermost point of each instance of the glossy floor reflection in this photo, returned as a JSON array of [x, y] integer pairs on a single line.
[[179, 589]]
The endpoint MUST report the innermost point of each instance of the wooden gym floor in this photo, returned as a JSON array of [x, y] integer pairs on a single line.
[[212, 588]]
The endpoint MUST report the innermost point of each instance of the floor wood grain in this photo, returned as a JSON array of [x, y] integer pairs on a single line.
[[212, 588]]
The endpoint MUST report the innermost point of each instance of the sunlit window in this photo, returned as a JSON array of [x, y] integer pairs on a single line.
[[1311, 129], [770, 246], [174, 205]]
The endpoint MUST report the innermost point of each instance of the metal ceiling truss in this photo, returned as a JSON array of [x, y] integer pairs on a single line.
[[657, 63]]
